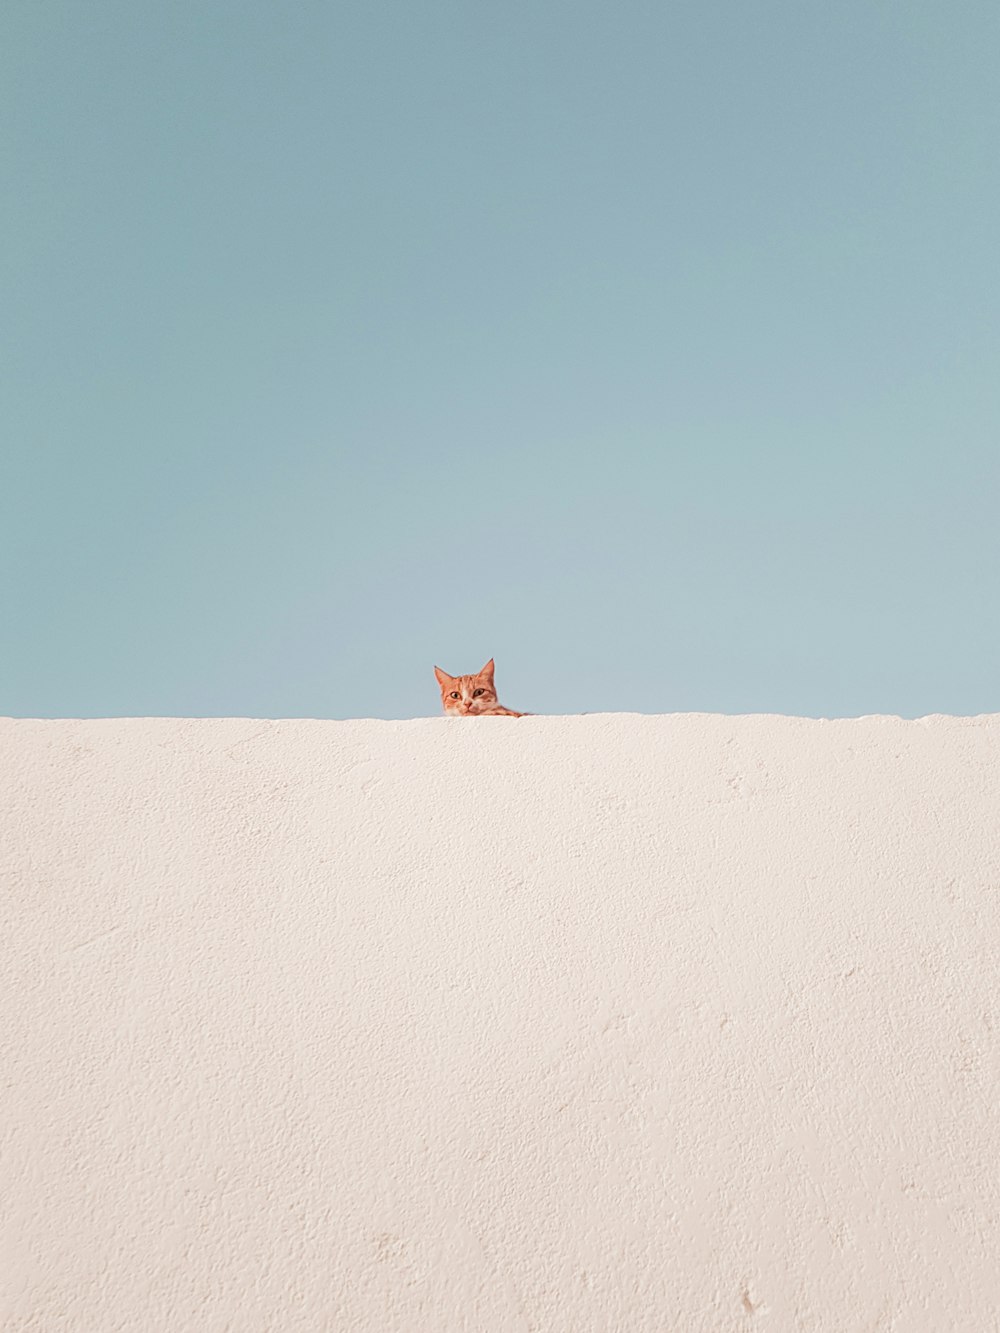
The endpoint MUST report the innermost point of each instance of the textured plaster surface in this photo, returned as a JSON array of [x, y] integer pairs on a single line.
[[596, 1023]]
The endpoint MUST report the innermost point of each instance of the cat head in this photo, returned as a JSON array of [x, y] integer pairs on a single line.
[[465, 696]]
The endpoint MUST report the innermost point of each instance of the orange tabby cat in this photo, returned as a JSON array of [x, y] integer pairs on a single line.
[[472, 696]]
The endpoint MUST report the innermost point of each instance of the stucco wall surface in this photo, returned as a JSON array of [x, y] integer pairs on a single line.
[[595, 1023]]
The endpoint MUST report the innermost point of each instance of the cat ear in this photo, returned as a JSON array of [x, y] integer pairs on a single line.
[[443, 678], [487, 670]]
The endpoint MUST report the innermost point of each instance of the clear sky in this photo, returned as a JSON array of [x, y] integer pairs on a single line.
[[653, 348]]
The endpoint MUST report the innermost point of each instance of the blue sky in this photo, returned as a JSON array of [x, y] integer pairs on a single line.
[[653, 349]]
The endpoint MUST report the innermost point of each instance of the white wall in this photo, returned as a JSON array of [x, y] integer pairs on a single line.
[[595, 1023]]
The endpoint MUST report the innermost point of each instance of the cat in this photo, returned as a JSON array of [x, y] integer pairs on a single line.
[[472, 696]]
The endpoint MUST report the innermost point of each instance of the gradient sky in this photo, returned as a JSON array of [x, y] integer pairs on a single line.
[[653, 348]]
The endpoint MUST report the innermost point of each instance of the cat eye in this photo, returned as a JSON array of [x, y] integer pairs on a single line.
[[477, 693], [454, 694]]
